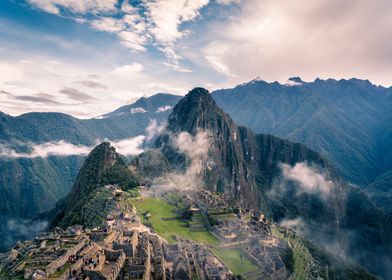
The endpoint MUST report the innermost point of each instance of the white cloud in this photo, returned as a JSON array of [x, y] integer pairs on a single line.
[[309, 179], [163, 109], [135, 24], [291, 83], [154, 129], [108, 24], [138, 110], [296, 224], [218, 65], [129, 147], [60, 148], [226, 2], [128, 70], [76, 6], [277, 39], [195, 149], [167, 15], [133, 40], [130, 28]]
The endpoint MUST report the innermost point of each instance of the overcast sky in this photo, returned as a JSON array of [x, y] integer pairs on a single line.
[[88, 57]]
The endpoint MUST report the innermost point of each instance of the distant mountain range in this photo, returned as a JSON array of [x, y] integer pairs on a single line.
[[347, 121]]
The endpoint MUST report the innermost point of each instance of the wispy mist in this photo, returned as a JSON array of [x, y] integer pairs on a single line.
[[154, 129], [308, 179], [59, 148], [128, 147], [296, 224], [21, 229], [195, 149]]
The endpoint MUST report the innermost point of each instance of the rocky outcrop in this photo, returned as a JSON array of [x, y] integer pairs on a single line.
[[103, 166], [249, 167]]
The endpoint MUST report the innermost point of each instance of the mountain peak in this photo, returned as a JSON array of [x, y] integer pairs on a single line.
[[100, 159], [198, 93], [296, 79], [196, 110]]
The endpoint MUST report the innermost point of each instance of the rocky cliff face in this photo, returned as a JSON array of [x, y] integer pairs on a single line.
[[243, 163], [288, 181]]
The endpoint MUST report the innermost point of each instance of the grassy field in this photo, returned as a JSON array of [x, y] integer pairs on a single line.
[[232, 258], [158, 209]]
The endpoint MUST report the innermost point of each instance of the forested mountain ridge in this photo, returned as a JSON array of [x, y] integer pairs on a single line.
[[250, 167], [345, 120]]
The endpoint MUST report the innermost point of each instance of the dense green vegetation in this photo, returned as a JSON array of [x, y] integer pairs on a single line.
[[89, 202], [159, 209], [381, 192], [119, 175], [30, 186], [4, 275], [348, 121], [297, 258], [288, 259], [336, 268], [303, 254]]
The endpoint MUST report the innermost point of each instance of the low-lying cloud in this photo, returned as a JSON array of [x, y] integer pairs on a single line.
[[59, 148], [308, 179], [164, 109], [154, 129], [127, 147], [130, 147], [296, 224], [138, 110], [21, 229], [195, 149]]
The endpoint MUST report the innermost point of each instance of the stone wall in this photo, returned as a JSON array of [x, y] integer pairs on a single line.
[[54, 265], [117, 266]]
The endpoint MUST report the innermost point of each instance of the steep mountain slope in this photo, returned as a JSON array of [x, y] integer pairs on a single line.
[[343, 120], [127, 121], [29, 186], [251, 168], [87, 202], [381, 192]]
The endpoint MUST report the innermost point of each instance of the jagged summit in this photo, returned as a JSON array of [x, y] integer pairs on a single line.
[[296, 79], [196, 110], [238, 154], [197, 95]]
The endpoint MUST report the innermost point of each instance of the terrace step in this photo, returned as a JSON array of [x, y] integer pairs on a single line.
[[253, 275]]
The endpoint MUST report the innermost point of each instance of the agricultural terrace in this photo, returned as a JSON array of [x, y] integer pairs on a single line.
[[160, 211]]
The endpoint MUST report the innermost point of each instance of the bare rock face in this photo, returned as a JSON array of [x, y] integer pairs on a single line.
[[243, 163], [12, 256], [248, 166]]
